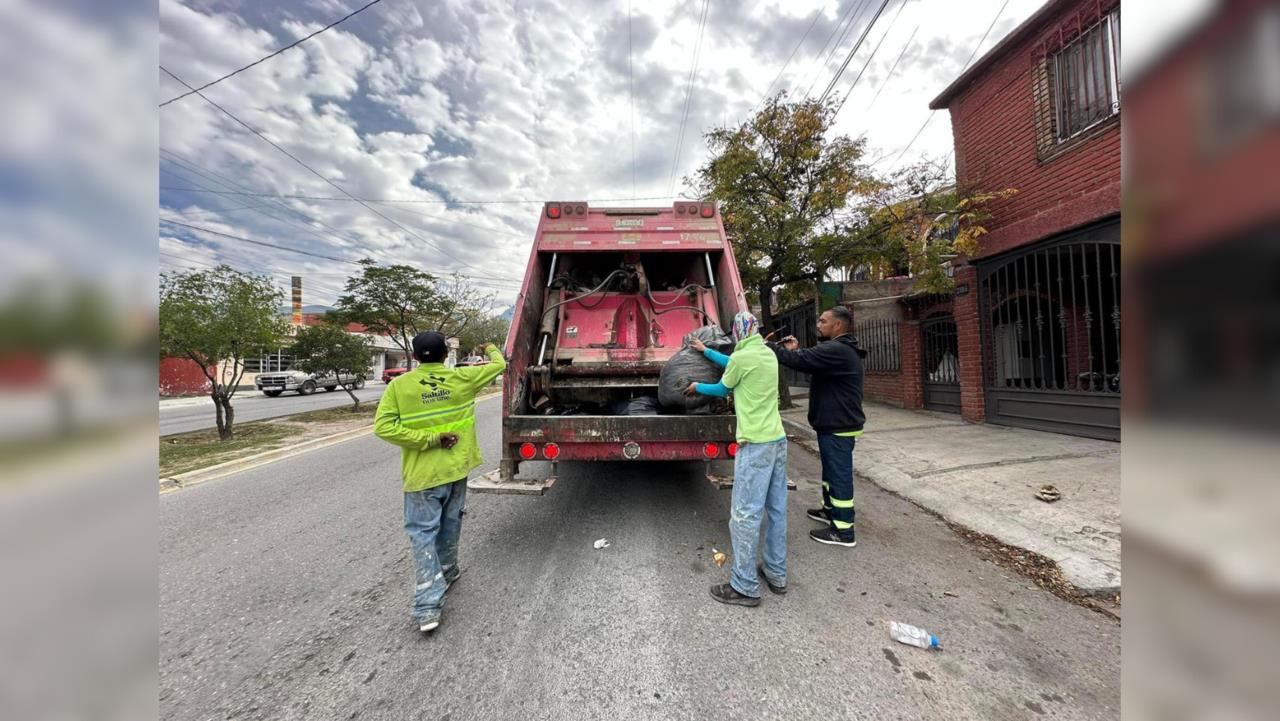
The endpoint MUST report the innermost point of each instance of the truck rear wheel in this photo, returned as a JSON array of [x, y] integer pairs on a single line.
[[307, 388], [358, 384]]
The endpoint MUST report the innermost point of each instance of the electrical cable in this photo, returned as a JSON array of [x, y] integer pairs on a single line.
[[293, 44]]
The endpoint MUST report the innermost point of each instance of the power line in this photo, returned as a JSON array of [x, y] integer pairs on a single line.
[[631, 91], [817, 14], [870, 57], [905, 45], [855, 11], [854, 50], [688, 95], [390, 201], [317, 173], [299, 251], [293, 44], [962, 71]]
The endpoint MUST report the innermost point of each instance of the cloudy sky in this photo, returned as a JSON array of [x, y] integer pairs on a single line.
[[448, 103]]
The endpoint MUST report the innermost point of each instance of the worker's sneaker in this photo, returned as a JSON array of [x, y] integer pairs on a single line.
[[776, 589], [451, 577], [726, 593], [832, 537], [426, 624], [819, 515]]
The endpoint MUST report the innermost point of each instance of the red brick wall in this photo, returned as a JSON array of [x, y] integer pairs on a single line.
[[181, 377], [883, 386], [912, 376], [969, 337], [993, 122]]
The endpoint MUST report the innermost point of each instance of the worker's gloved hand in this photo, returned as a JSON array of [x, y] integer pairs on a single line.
[[448, 440], [697, 345], [790, 343], [692, 390]]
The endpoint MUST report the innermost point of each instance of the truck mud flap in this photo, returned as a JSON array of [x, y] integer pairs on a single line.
[[493, 482]]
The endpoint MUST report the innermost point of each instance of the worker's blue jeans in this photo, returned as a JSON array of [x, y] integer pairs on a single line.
[[433, 520], [759, 491]]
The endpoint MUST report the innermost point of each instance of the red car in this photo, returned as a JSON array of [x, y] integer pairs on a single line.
[[390, 373]]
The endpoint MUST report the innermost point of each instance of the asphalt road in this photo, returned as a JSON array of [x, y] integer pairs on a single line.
[[284, 594], [253, 406]]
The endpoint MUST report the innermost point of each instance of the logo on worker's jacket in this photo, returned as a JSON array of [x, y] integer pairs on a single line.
[[436, 393]]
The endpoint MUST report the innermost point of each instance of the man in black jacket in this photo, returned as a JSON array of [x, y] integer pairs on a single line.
[[835, 412]]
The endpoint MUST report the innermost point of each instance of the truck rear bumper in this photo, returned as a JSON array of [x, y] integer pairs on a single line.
[[620, 438]]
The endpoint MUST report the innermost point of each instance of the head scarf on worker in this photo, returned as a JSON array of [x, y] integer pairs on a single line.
[[744, 324]]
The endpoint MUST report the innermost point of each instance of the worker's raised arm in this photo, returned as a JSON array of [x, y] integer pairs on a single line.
[[823, 358]]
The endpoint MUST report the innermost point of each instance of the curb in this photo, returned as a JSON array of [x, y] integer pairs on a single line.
[[201, 475], [209, 473], [900, 484]]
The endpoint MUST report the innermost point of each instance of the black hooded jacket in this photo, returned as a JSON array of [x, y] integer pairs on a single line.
[[835, 391]]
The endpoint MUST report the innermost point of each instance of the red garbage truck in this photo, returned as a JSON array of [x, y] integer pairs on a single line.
[[609, 295]]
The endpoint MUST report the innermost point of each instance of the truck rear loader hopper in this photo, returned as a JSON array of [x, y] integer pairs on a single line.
[[608, 296]]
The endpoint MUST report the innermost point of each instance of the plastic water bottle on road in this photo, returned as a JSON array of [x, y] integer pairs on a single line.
[[912, 636]]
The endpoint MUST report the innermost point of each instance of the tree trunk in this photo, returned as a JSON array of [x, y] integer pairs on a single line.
[[355, 401], [225, 416]]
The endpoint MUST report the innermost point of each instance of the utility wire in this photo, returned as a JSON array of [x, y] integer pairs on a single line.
[[854, 50], [688, 95], [852, 20], [317, 173], [299, 251], [872, 56], [405, 200], [962, 71], [631, 91], [905, 45], [293, 44], [817, 14]]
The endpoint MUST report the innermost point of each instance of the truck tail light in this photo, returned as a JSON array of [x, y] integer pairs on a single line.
[[528, 451], [553, 210], [708, 210], [733, 450], [711, 450], [580, 209], [551, 451]]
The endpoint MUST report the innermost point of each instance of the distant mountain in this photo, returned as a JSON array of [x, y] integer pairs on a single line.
[[508, 314]]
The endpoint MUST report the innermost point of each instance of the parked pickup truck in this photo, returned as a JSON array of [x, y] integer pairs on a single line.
[[273, 384]]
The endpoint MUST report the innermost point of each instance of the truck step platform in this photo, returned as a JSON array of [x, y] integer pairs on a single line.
[[492, 482]]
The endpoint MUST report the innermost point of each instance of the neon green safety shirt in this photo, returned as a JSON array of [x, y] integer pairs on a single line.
[[425, 402]]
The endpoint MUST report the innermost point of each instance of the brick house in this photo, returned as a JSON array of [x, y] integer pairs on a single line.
[[1031, 335]]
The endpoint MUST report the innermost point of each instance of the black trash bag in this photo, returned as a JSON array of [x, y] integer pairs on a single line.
[[643, 406], [689, 366]]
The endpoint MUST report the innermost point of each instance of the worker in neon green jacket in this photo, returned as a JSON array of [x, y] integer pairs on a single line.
[[430, 413]]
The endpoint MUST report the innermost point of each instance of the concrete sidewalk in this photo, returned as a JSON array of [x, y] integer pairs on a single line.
[[984, 477]]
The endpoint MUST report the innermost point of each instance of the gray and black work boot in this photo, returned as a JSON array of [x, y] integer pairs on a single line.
[[832, 537], [726, 593], [776, 589], [819, 514], [451, 577], [426, 624]]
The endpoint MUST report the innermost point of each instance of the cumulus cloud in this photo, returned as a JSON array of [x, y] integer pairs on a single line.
[[471, 100]]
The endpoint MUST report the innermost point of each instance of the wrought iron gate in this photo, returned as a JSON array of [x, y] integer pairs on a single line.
[[799, 321], [1051, 335], [940, 363]]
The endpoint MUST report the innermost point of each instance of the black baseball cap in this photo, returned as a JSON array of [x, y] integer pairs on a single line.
[[430, 345]]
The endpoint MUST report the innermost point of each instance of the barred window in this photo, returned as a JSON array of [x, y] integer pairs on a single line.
[[268, 364], [1084, 77], [880, 339]]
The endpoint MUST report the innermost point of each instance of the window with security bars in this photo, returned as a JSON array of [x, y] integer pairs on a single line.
[[880, 339], [1078, 85]]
